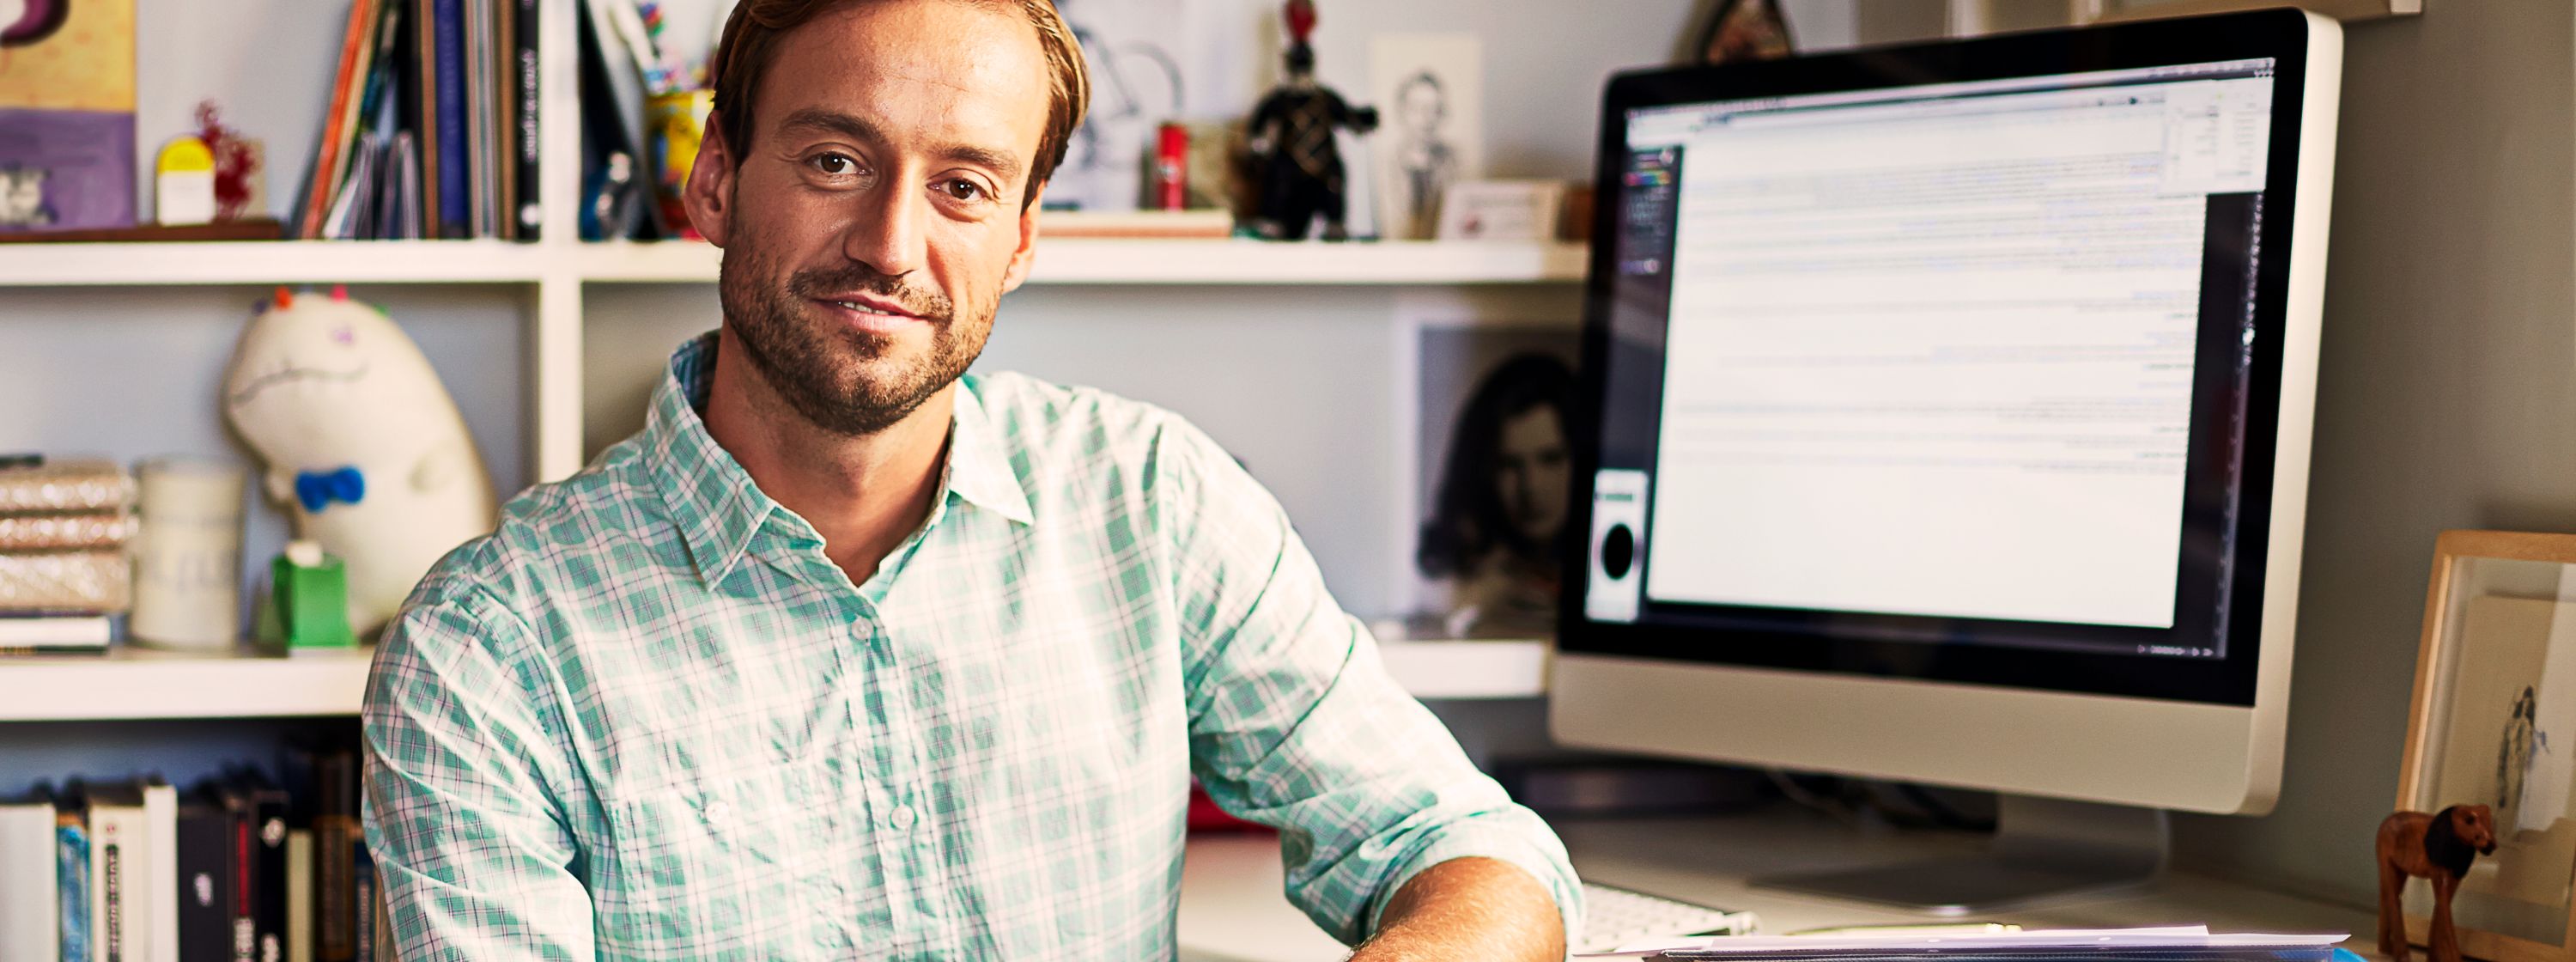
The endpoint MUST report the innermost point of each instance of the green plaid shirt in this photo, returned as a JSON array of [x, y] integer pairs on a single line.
[[648, 719]]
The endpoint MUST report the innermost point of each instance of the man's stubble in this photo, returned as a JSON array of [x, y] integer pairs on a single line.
[[841, 380]]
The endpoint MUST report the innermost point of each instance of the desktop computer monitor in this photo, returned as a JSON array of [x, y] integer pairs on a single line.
[[1948, 414]]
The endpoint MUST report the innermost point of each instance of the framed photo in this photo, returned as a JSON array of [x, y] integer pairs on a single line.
[[2494, 722], [1520, 210], [1494, 470], [1429, 92]]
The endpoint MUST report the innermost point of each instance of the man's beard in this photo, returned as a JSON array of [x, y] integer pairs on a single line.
[[841, 379]]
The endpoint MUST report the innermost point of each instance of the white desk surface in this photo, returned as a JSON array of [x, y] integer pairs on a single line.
[[1233, 909]]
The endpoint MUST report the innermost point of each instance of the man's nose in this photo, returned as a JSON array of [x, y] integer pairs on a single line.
[[890, 238]]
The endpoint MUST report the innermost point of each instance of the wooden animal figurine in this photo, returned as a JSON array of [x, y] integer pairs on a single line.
[[2437, 847]]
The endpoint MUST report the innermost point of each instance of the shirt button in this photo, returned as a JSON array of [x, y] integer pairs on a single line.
[[903, 816], [718, 812]]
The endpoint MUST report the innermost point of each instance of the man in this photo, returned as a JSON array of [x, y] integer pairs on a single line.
[[848, 655]]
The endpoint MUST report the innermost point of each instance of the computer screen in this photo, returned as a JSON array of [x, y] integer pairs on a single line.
[[1960, 363], [1942, 342]]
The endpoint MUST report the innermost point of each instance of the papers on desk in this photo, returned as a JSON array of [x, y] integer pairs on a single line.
[[2192, 943]]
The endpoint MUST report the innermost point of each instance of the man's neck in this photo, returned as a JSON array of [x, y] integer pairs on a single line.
[[864, 495]]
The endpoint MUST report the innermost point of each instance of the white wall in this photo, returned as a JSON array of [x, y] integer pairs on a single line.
[[2447, 396]]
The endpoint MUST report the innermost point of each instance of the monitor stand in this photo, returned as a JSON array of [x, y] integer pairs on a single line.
[[2043, 850]]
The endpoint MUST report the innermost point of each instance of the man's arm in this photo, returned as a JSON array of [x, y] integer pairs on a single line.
[[472, 843], [1469, 908], [1295, 723]]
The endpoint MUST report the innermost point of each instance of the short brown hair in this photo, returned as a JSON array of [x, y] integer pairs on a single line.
[[751, 39]]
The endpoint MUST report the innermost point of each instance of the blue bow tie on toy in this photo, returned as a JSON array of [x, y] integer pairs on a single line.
[[317, 489]]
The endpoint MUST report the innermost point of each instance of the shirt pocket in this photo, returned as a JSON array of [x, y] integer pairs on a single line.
[[737, 865]]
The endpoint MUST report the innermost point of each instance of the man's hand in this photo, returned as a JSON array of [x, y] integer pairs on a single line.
[[1468, 909]]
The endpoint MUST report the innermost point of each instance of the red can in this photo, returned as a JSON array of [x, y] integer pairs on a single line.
[[1171, 167]]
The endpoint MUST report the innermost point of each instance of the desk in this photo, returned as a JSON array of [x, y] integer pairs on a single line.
[[1232, 909]]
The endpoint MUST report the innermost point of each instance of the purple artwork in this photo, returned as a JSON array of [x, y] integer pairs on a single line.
[[66, 170]]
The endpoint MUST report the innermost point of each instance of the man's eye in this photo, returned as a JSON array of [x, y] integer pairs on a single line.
[[962, 189], [834, 164]]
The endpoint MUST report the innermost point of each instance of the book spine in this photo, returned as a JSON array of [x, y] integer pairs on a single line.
[[28, 894], [425, 105], [64, 532], [336, 837], [317, 198], [65, 580], [84, 487], [245, 866], [455, 196], [120, 911], [299, 895], [71, 875], [362, 874], [531, 212], [270, 921], [159, 873], [205, 884]]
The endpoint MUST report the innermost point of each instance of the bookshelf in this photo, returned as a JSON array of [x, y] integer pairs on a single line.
[[568, 298]]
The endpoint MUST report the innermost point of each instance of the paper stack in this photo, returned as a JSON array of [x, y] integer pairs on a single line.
[[63, 571]]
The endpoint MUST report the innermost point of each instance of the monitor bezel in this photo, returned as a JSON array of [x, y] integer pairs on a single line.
[[2281, 35]]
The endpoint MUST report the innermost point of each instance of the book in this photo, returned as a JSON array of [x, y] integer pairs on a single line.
[[421, 116], [454, 171], [267, 804], [30, 902], [67, 101], [481, 97], [363, 875], [206, 874], [525, 184], [299, 895], [120, 856], [323, 181], [60, 485], [71, 878], [56, 532], [336, 837], [56, 581], [161, 870], [45, 632], [347, 220]]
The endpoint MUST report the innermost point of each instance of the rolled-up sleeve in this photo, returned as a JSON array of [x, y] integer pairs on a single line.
[[474, 847], [1295, 723]]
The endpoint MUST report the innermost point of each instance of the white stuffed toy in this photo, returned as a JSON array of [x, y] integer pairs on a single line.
[[362, 444]]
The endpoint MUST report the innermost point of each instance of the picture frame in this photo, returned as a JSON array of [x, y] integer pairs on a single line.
[[1515, 210], [2493, 721]]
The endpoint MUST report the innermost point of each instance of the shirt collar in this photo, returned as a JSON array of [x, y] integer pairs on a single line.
[[719, 509]]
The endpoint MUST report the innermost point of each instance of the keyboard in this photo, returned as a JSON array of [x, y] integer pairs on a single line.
[[1617, 917]]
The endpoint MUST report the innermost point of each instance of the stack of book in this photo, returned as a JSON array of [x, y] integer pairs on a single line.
[[236, 867], [431, 129], [63, 568]]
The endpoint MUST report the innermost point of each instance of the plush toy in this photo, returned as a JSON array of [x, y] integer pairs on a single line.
[[2437, 848], [360, 441]]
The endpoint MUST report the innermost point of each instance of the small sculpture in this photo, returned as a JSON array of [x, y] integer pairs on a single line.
[[2438, 847], [1292, 143], [361, 442]]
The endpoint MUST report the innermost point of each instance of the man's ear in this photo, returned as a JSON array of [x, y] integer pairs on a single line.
[[710, 186], [1028, 249]]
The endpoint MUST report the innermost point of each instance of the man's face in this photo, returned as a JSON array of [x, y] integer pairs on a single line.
[[1423, 109], [874, 219]]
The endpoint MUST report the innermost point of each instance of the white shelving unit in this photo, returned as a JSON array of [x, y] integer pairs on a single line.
[[141, 683], [552, 277]]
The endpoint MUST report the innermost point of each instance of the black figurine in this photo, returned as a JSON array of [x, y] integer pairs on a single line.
[[1292, 143]]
